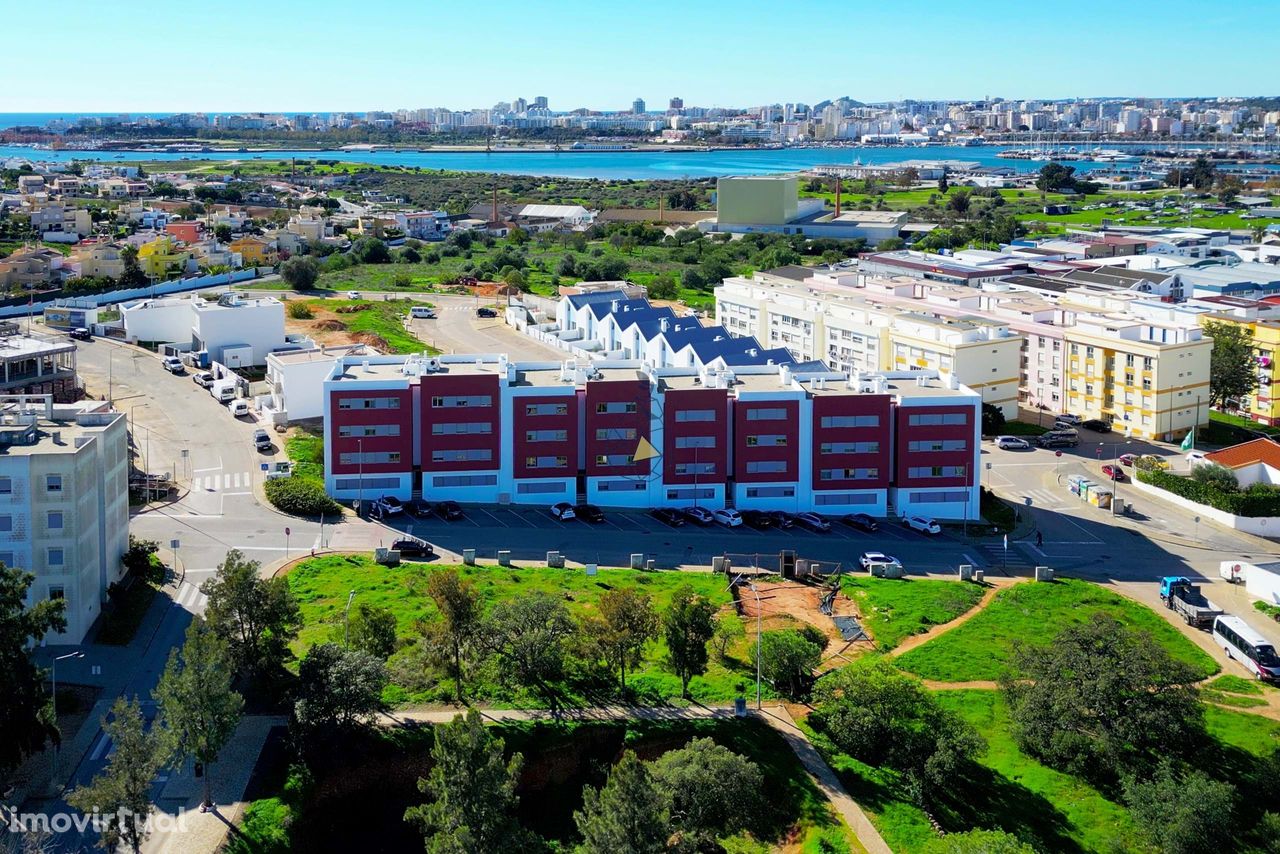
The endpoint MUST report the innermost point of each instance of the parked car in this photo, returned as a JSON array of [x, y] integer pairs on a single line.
[[1097, 425], [782, 519], [80, 333], [1114, 472], [1012, 443], [1152, 461], [239, 408], [1058, 440], [388, 505], [668, 516], [727, 517], [353, 295], [449, 511], [757, 519], [204, 379], [923, 525], [418, 508], [1128, 459], [589, 513], [813, 522], [1059, 424], [413, 547], [422, 311], [698, 515], [563, 511], [861, 521], [173, 365], [1068, 418], [869, 558], [485, 311], [261, 439]]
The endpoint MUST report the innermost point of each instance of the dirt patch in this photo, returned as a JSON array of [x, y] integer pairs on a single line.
[[326, 327], [330, 326], [783, 603], [375, 341]]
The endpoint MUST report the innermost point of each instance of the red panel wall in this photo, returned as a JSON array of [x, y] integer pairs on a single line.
[[616, 391], [716, 399], [523, 448], [336, 446], [906, 434], [444, 385], [827, 405], [744, 427]]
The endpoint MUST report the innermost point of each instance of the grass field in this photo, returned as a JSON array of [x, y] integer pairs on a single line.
[[321, 586], [1034, 613], [893, 609], [383, 318], [307, 452]]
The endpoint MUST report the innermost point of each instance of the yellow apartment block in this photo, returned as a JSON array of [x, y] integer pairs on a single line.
[[1261, 406]]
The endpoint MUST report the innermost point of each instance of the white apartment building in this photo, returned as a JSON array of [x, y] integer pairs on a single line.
[[235, 331], [852, 330], [64, 502]]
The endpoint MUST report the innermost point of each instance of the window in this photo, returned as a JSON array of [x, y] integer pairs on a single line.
[[767, 441], [938, 445], [546, 409], [620, 485], [936, 471], [369, 403], [462, 455], [369, 458], [848, 474], [55, 556], [953, 497], [546, 462], [541, 487], [936, 419], [6, 486], [53, 483], [695, 415], [771, 492], [766, 466], [360, 430], [615, 459], [689, 493], [766, 414], [851, 421], [695, 441], [57, 591], [616, 407], [55, 519], [461, 400], [546, 435], [829, 498], [6, 524], [615, 434], [1147, 363], [465, 480], [370, 483], [695, 468], [849, 448], [462, 428]]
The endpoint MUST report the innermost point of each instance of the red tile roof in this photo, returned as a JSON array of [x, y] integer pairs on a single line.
[[1258, 451]]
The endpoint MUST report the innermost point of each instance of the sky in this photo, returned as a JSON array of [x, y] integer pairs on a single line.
[[336, 55]]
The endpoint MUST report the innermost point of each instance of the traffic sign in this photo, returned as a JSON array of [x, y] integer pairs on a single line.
[[1057, 453], [286, 532]]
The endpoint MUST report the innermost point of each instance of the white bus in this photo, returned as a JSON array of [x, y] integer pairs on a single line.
[[1248, 647]]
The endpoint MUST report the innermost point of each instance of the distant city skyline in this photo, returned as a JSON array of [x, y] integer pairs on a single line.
[[318, 56]]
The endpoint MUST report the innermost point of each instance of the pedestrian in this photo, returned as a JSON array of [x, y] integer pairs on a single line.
[[1039, 539]]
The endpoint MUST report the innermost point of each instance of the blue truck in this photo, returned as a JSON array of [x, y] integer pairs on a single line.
[[1185, 598]]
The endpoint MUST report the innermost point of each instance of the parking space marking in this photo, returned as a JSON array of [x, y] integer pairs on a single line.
[[493, 517]]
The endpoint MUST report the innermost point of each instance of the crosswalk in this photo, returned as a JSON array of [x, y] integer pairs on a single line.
[[190, 598], [1045, 499], [222, 482]]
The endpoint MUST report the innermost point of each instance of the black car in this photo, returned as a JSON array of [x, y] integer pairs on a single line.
[[758, 519], [1097, 425], [486, 312], [781, 519], [417, 507], [449, 510], [589, 513], [1057, 440], [81, 334], [413, 547], [860, 521], [668, 516]]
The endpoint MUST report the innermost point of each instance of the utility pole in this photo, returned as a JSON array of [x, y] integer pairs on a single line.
[[752, 585]]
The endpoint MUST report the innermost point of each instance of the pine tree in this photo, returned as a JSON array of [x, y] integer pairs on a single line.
[[626, 816], [688, 626]]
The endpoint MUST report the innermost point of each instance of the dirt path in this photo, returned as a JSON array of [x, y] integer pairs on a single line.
[[997, 584]]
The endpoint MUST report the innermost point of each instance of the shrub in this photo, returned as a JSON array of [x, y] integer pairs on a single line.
[[1252, 502], [300, 272], [300, 311], [1217, 476], [299, 497]]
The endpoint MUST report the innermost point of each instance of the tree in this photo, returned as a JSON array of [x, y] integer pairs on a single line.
[[409, 255], [625, 816], [1202, 173], [300, 272], [1102, 698], [256, 617], [515, 278], [373, 630], [338, 688], [371, 250], [222, 231], [473, 792], [710, 791], [687, 626], [881, 716], [626, 622], [943, 184], [992, 419], [122, 792], [132, 275], [889, 244], [727, 630], [1216, 475], [198, 707], [663, 286], [1054, 177], [1233, 373], [978, 842], [691, 279], [26, 718], [528, 636], [787, 661], [959, 201], [1182, 813], [459, 606]]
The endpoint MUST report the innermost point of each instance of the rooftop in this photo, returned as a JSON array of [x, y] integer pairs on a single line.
[[1264, 451]]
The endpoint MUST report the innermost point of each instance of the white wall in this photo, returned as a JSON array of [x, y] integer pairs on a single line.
[[159, 320], [260, 325]]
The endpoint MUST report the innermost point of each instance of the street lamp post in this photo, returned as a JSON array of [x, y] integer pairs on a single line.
[[752, 585], [346, 620], [1115, 468], [54, 680]]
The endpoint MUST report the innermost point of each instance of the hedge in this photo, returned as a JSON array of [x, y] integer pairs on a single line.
[[300, 497], [1253, 503]]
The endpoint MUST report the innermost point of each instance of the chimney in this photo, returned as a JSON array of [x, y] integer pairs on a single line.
[[365, 365], [784, 376], [613, 306], [664, 325]]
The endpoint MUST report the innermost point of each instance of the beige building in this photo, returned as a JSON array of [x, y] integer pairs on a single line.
[[64, 502], [99, 259]]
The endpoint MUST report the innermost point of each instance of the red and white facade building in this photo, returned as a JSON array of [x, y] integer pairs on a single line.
[[483, 429]]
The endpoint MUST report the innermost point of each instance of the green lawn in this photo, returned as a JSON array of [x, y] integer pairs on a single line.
[[383, 318], [1230, 690], [306, 450], [893, 609], [321, 586], [1034, 613], [1020, 428]]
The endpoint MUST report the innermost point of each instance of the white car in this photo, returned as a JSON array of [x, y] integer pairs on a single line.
[[1068, 419], [204, 379], [238, 407], [563, 511], [388, 505], [869, 559], [923, 525], [353, 295], [728, 518], [173, 365], [1012, 443]]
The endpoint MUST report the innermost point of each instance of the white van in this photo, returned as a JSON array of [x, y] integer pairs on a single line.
[[423, 311], [239, 407]]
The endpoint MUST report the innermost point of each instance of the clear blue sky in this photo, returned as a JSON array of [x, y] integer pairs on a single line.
[[321, 55]]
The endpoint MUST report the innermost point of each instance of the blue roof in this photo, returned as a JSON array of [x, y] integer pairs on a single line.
[[604, 308], [778, 355], [579, 300]]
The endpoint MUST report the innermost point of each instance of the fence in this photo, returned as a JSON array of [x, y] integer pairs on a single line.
[[20, 308]]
